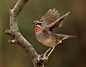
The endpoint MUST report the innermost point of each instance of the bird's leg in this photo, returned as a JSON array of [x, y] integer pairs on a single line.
[[46, 52], [51, 51], [46, 57]]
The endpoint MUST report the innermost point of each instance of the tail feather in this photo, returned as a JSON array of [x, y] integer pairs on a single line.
[[68, 36], [63, 36]]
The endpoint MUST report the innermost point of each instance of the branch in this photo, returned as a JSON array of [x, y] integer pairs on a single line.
[[18, 38]]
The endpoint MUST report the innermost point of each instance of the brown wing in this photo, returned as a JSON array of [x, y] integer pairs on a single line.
[[50, 16], [57, 23]]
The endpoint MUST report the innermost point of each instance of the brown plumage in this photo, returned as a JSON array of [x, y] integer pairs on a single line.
[[50, 16], [45, 26]]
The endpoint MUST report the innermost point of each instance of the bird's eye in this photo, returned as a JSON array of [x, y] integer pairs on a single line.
[[39, 24]]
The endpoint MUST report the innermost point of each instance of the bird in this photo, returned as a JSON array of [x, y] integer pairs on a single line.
[[44, 30]]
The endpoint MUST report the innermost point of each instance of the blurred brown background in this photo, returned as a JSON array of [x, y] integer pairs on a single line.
[[70, 53]]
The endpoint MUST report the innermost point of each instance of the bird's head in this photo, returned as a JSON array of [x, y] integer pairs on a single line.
[[38, 25]]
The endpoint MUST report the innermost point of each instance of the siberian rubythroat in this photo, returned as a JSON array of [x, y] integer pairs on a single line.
[[44, 29]]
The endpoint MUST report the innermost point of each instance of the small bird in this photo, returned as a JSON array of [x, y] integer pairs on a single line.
[[44, 29]]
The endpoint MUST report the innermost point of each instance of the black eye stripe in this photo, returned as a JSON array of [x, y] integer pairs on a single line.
[[38, 24]]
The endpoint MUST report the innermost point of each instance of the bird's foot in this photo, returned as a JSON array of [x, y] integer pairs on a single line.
[[41, 58], [45, 58]]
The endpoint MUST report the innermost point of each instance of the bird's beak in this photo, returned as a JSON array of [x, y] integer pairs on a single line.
[[33, 22]]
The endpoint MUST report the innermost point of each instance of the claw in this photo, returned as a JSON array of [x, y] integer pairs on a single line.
[[42, 57], [45, 58]]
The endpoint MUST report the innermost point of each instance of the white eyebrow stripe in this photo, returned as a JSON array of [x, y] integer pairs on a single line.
[[40, 22]]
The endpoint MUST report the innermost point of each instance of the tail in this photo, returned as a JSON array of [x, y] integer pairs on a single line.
[[68, 36], [63, 36]]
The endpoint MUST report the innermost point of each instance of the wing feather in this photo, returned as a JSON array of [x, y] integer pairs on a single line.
[[50, 16], [57, 23]]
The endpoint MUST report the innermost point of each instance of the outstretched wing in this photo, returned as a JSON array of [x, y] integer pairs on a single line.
[[50, 16], [57, 23]]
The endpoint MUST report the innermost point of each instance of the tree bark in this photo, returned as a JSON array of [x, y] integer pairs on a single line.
[[17, 37]]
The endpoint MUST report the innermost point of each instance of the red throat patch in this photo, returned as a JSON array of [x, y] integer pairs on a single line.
[[36, 28]]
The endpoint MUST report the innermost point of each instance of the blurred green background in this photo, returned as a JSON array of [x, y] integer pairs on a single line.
[[70, 53]]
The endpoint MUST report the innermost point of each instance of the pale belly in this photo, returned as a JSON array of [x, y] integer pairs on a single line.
[[48, 40]]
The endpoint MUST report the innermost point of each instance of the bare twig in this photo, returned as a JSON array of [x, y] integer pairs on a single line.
[[17, 37]]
